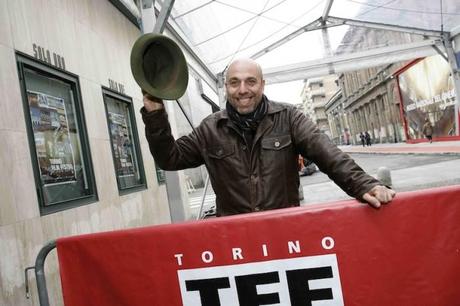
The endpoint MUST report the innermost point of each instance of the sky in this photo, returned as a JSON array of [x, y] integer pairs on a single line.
[[285, 92]]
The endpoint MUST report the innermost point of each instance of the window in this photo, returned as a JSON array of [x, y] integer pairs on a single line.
[[57, 136], [126, 154]]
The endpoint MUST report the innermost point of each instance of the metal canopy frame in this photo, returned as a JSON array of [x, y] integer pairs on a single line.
[[434, 42], [325, 21], [330, 21], [348, 62]]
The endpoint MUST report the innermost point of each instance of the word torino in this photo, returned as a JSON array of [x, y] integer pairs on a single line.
[[294, 281], [237, 253]]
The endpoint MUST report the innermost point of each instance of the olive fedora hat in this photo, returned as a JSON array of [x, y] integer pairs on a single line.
[[159, 66]]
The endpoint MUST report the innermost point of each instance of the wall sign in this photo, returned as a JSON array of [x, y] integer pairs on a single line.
[[46, 56], [427, 91], [116, 86]]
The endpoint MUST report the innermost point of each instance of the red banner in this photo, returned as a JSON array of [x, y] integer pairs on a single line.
[[343, 253]]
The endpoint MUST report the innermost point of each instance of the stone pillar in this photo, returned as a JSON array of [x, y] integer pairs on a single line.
[[356, 128], [386, 120], [361, 119], [381, 112], [379, 115], [365, 117], [453, 55]]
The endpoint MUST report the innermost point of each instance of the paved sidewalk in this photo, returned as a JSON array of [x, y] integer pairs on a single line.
[[415, 178], [439, 147]]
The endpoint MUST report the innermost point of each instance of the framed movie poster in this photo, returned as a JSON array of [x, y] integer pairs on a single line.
[[55, 152], [57, 136], [124, 141]]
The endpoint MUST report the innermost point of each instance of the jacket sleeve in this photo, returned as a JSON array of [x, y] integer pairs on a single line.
[[170, 154], [339, 166]]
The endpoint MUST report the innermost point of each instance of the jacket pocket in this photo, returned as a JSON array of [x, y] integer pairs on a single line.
[[276, 143], [221, 151]]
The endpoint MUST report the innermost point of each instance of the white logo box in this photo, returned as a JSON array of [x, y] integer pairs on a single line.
[[279, 290]]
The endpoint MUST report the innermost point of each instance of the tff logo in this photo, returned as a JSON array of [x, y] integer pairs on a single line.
[[301, 281]]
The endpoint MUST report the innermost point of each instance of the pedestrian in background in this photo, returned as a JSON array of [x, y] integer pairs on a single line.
[[363, 139], [368, 139], [427, 130]]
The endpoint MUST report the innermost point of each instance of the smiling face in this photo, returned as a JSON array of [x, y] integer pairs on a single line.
[[244, 85]]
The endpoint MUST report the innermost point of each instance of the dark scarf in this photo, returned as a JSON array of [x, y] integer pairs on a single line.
[[247, 123]]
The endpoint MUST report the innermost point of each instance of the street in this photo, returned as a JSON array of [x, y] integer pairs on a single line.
[[408, 172]]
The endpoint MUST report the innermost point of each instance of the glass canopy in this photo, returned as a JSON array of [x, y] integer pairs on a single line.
[[280, 33]]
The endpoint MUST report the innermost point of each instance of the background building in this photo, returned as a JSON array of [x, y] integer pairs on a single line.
[[370, 103], [369, 99], [315, 94]]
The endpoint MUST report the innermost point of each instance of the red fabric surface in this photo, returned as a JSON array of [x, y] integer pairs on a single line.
[[406, 253]]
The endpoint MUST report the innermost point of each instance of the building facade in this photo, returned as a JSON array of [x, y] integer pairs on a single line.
[[370, 102], [315, 94], [74, 158], [369, 99]]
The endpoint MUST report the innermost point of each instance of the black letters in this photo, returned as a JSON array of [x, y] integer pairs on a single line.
[[300, 292], [208, 289], [247, 290]]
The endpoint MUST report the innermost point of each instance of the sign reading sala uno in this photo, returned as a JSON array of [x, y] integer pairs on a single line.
[[46, 56]]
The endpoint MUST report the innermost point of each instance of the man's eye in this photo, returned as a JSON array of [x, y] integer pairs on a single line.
[[234, 83], [252, 82]]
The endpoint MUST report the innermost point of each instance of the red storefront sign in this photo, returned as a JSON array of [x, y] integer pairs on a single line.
[[427, 92], [343, 253]]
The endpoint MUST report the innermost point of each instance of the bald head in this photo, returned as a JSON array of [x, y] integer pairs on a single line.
[[244, 63], [244, 85]]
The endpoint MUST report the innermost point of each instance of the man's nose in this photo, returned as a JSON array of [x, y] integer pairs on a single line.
[[243, 88]]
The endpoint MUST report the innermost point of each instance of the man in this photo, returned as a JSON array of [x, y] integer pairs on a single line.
[[427, 130], [367, 136], [251, 148], [363, 139]]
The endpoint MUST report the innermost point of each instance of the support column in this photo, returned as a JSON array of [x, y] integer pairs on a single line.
[[386, 120], [378, 116], [364, 117], [455, 73], [359, 124], [221, 89], [178, 206], [356, 129]]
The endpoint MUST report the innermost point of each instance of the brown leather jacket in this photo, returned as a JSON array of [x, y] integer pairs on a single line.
[[262, 177]]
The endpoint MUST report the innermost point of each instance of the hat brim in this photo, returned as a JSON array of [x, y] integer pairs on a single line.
[[159, 66]]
